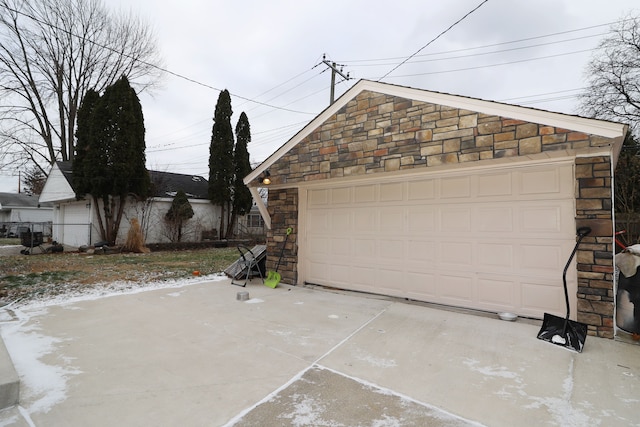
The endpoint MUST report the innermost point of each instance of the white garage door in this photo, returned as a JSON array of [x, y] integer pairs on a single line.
[[76, 224], [494, 240]]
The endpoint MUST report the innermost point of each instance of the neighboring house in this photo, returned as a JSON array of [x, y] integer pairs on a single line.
[[21, 209], [447, 199], [75, 222], [251, 224]]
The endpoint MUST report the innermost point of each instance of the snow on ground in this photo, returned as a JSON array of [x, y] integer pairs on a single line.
[[43, 384], [105, 290]]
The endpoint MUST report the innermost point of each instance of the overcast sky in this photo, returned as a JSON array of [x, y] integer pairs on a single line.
[[269, 54]]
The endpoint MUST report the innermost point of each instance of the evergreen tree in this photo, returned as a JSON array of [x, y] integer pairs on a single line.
[[84, 137], [179, 212], [221, 158], [33, 180], [112, 165], [242, 200]]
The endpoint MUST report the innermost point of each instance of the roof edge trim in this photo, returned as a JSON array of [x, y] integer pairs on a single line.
[[565, 121]]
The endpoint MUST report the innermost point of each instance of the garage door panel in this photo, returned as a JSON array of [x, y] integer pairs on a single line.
[[421, 219], [389, 280], [496, 184], [341, 221], [76, 228], [393, 192], [487, 239], [364, 248], [340, 196], [340, 273], [318, 198], [496, 255], [455, 220], [421, 251], [364, 221], [540, 181], [495, 219], [318, 221], [421, 190], [455, 187], [542, 257], [341, 247], [391, 249], [541, 297], [497, 293], [318, 272], [391, 220], [541, 219], [456, 289], [421, 285], [318, 247], [365, 194], [363, 277], [456, 254], [549, 181]]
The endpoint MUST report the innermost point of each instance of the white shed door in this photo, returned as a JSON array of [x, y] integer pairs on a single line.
[[494, 240], [76, 224]]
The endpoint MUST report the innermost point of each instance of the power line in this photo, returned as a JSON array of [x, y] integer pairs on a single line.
[[351, 62], [290, 89], [165, 70], [490, 65], [434, 39], [284, 83], [191, 80], [160, 146], [472, 55], [543, 94]]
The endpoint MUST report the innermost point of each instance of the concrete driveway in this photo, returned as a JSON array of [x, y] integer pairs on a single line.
[[295, 356]]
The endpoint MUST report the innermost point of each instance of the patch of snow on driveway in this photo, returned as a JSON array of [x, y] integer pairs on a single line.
[[46, 385], [491, 371], [43, 384]]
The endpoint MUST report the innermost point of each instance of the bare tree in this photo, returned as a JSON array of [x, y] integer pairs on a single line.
[[613, 91], [51, 53]]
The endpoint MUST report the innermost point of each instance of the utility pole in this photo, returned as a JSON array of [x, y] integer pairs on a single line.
[[334, 70]]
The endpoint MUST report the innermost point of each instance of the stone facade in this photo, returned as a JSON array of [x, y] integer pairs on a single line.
[[378, 133], [595, 256], [283, 209]]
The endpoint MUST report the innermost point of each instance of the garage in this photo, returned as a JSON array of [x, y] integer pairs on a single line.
[[489, 240], [76, 229], [447, 199]]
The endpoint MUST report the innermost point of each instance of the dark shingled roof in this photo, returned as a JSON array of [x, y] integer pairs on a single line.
[[164, 184], [20, 200]]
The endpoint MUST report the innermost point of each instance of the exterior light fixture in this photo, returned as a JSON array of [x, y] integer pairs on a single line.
[[264, 179]]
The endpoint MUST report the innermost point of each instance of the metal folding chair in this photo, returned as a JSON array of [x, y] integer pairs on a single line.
[[249, 265]]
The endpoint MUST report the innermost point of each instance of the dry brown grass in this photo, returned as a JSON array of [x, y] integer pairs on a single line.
[[22, 276]]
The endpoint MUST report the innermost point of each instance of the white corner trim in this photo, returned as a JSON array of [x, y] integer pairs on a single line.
[[261, 206]]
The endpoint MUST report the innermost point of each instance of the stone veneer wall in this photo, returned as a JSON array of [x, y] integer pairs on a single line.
[[595, 255], [380, 133], [375, 133], [283, 209]]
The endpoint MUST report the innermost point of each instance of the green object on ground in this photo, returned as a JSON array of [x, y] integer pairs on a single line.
[[273, 277]]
